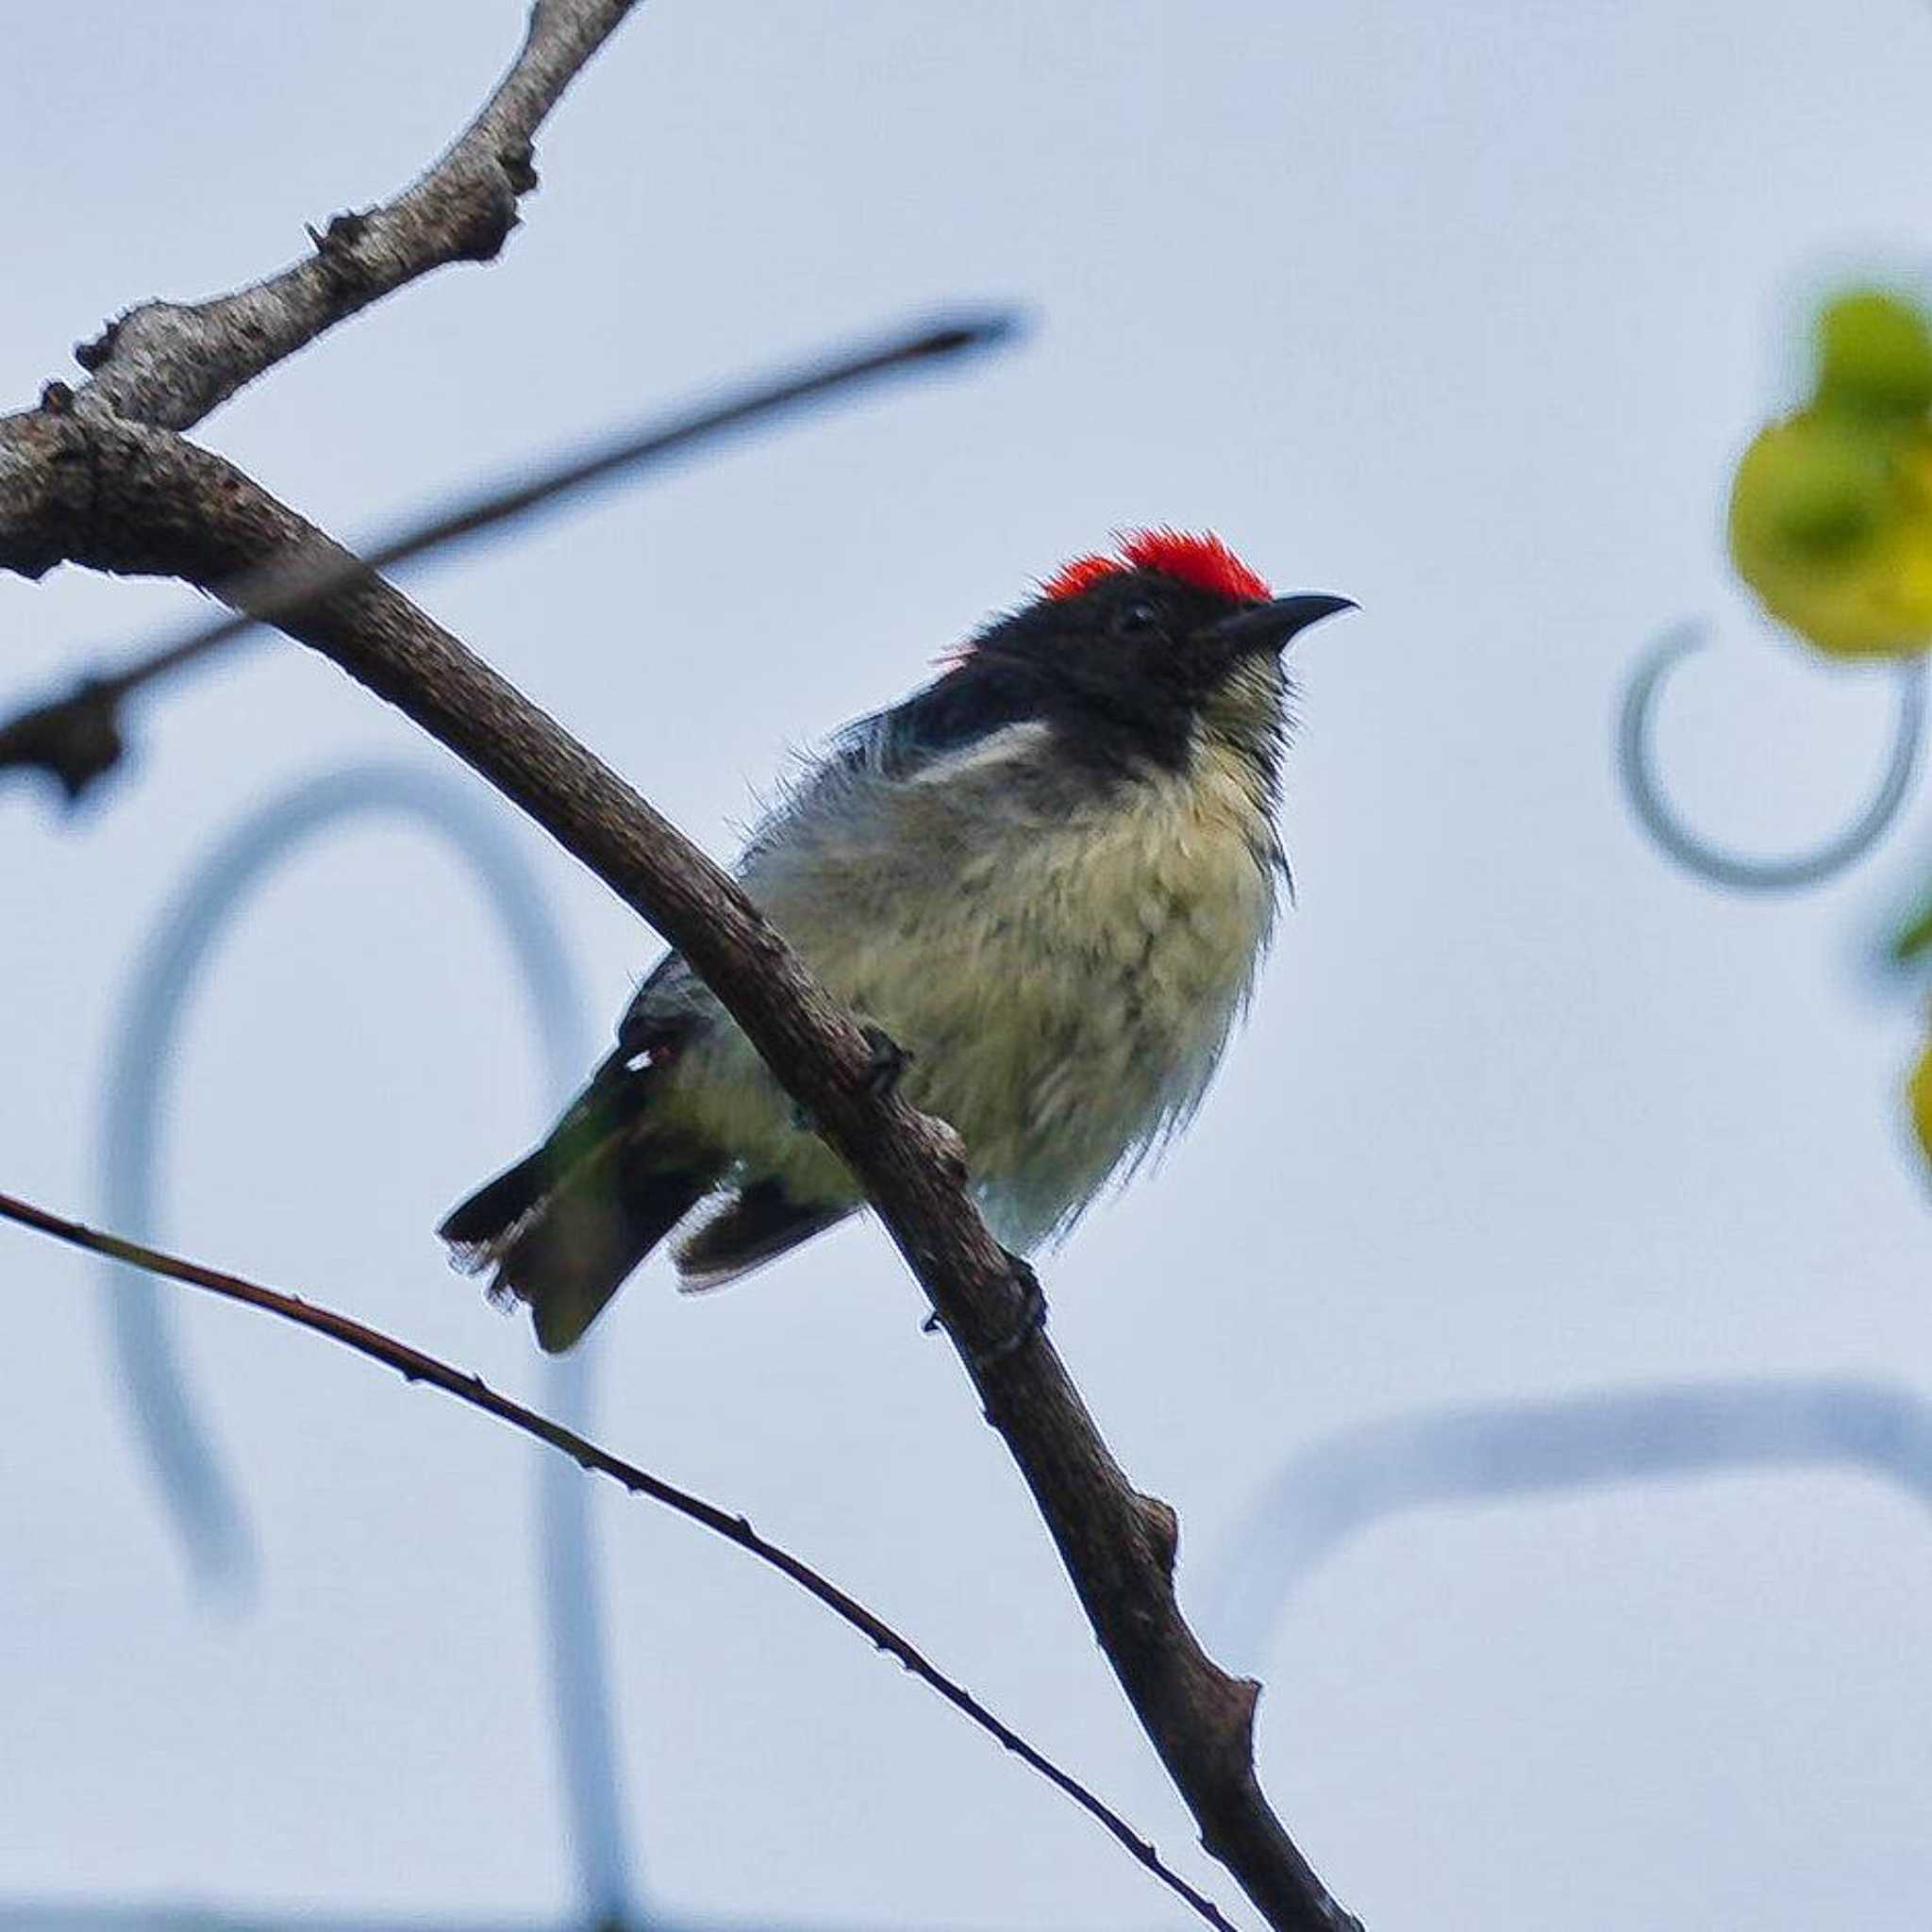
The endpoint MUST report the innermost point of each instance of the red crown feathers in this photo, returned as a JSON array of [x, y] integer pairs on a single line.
[[1205, 562]]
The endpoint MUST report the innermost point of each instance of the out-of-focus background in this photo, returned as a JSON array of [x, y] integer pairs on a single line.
[[1464, 312]]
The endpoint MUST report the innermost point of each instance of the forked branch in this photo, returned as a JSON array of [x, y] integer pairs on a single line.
[[170, 364]]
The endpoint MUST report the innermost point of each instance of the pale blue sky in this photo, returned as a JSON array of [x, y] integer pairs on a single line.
[[1462, 311]]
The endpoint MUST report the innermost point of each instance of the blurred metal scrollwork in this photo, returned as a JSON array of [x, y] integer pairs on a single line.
[[200, 1496], [1331, 1491], [1743, 872]]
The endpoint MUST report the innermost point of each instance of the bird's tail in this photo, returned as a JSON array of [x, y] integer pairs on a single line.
[[565, 1226]]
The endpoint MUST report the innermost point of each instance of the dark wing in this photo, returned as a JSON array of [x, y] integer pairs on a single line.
[[565, 1226], [671, 1002], [977, 698]]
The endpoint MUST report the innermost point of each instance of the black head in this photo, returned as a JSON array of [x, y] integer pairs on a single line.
[[1133, 659]]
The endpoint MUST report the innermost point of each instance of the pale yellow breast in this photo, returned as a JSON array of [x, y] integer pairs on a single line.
[[1065, 985]]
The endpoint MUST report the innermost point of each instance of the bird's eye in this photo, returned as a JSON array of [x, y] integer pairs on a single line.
[[1138, 619]]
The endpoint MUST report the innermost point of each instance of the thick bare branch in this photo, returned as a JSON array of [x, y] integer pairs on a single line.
[[414, 1366], [160, 503], [170, 364]]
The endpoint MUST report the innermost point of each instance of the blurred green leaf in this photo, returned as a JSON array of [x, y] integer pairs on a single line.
[[1874, 354], [1914, 936]]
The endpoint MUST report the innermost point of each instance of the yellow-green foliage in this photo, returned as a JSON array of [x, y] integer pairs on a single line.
[[1919, 1096], [1831, 507]]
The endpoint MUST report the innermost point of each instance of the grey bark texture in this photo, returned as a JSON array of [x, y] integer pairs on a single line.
[[171, 364]]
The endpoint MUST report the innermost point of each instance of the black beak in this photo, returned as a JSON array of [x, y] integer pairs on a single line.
[[1273, 627]]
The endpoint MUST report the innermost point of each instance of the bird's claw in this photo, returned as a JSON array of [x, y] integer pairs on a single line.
[[1031, 1320], [886, 1064]]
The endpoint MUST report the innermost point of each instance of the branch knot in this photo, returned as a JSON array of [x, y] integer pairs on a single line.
[[91, 355], [518, 167]]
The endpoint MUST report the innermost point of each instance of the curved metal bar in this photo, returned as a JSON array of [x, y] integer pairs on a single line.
[[1637, 771], [1330, 1493], [201, 1499]]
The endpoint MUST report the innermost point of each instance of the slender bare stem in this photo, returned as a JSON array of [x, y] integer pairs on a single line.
[[414, 1366], [78, 738]]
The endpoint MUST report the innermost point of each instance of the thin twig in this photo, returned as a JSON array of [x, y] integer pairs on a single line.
[[414, 1366], [79, 738]]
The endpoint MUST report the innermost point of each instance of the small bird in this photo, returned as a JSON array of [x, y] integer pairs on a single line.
[[1044, 882]]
